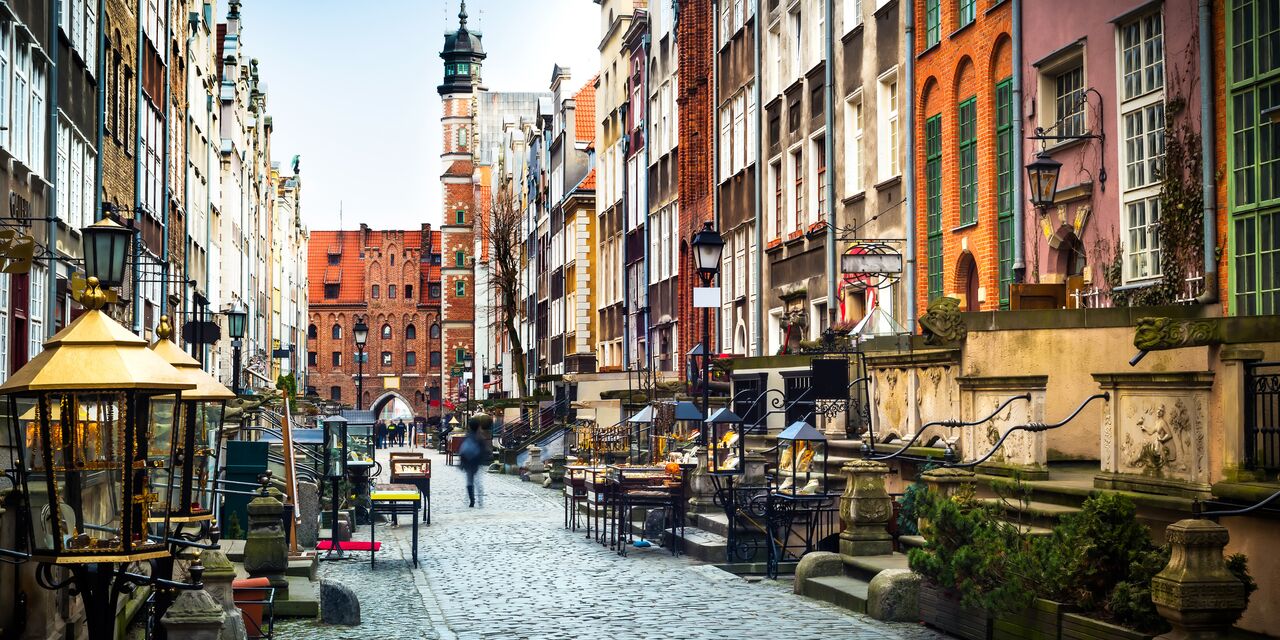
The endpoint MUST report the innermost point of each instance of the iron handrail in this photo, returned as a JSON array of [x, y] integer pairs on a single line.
[[1197, 508], [949, 423], [1030, 427]]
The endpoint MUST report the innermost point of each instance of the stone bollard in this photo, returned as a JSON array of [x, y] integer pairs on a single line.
[[308, 505], [946, 482], [266, 554], [194, 615], [338, 604], [865, 509], [535, 465], [702, 488], [219, 573], [1195, 592]]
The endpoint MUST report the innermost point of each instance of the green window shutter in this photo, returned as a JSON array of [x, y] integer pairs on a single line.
[[1004, 185], [459, 258], [967, 11], [968, 147], [933, 202], [932, 23]]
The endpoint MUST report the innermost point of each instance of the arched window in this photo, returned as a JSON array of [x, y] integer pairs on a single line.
[[393, 259], [311, 332], [386, 332], [337, 332], [410, 332], [435, 330]]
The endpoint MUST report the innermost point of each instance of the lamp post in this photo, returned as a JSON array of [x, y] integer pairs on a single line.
[[438, 329], [707, 246], [468, 379], [361, 331], [88, 412], [335, 467], [236, 318]]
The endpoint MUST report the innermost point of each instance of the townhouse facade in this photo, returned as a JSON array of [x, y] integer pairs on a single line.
[[661, 205]]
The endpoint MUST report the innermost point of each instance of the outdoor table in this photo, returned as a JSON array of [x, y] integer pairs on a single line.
[[599, 491], [414, 469], [393, 499], [575, 493], [641, 487]]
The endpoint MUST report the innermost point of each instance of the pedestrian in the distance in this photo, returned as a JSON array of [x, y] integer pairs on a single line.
[[475, 454], [379, 435], [401, 432]]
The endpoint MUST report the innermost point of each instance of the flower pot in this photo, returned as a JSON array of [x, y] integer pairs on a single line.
[[942, 610], [1040, 621], [1076, 626]]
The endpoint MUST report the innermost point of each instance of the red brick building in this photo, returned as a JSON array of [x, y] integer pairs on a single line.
[[696, 35], [391, 279], [966, 55]]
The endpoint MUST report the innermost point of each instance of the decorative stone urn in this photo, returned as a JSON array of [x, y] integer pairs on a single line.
[[946, 483], [266, 554], [1196, 592], [219, 573], [865, 509]]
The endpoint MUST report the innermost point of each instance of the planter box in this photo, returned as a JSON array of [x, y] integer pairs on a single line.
[[1078, 627], [940, 610], [1040, 621]]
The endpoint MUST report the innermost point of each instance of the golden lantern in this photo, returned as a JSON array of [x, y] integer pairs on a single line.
[[86, 411], [200, 420]]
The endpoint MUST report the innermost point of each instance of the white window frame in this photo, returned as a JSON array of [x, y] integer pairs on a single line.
[[794, 219], [1141, 120], [795, 22], [6, 89], [777, 177], [22, 98], [888, 101], [724, 152], [39, 283], [818, 157], [739, 132], [753, 129], [852, 14], [854, 125]]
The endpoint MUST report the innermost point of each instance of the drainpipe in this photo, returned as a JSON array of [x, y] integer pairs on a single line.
[[717, 38], [829, 149], [51, 163], [164, 171], [102, 108], [1207, 144], [1019, 259], [909, 175], [648, 238], [625, 148], [757, 265], [137, 180]]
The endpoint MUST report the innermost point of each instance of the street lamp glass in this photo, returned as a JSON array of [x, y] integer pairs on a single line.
[[707, 245], [236, 320], [1042, 173], [362, 332], [106, 245]]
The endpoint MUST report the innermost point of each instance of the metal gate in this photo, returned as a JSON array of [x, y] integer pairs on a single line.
[[1262, 416]]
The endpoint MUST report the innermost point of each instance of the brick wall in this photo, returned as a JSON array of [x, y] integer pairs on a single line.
[[1220, 151], [696, 36], [963, 64], [117, 153]]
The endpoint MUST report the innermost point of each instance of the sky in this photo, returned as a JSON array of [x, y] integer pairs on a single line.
[[351, 88]]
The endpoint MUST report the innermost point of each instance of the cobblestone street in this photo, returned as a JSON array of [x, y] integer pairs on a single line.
[[511, 570]]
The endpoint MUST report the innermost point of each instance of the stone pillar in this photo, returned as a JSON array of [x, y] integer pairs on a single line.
[[1195, 592], [865, 509], [266, 554], [946, 483], [753, 469], [194, 615], [1231, 376], [308, 505], [535, 465], [1024, 453], [702, 489], [219, 573]]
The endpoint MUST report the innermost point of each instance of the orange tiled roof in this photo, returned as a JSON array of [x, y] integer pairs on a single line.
[[348, 274], [584, 111], [588, 183]]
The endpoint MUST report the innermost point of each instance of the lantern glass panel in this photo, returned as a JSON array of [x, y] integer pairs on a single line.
[[208, 423], [87, 476], [165, 483], [802, 461], [725, 447]]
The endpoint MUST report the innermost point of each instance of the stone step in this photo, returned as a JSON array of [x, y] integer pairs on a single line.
[[867, 567], [303, 600], [1040, 514], [702, 545], [910, 542], [715, 522], [843, 591]]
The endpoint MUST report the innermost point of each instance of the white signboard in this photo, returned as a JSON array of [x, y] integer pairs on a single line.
[[706, 297], [870, 263]]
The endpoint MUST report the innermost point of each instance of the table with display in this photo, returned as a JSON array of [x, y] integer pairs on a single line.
[[644, 488], [393, 500], [414, 468]]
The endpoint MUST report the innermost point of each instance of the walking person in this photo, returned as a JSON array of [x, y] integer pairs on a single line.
[[401, 432], [476, 453], [379, 435]]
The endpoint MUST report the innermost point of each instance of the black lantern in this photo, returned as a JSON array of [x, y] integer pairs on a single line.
[[361, 333], [707, 246], [1042, 173], [106, 245], [197, 438], [726, 444], [335, 466], [642, 435], [236, 319], [688, 420], [802, 460]]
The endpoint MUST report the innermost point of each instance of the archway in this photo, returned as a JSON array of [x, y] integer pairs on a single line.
[[967, 282], [392, 407]]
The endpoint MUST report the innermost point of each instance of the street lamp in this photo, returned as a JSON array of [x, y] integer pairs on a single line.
[[1042, 173], [85, 420], [707, 246], [361, 331], [106, 244], [236, 318]]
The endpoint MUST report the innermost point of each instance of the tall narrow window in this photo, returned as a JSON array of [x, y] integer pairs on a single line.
[[820, 173], [933, 202], [853, 146], [459, 258], [1069, 101], [887, 142], [391, 291], [797, 169], [968, 153], [1142, 128], [1004, 186], [778, 204], [375, 292], [965, 12], [932, 23], [460, 288]]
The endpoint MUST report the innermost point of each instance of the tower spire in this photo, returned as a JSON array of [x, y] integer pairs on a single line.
[[462, 15]]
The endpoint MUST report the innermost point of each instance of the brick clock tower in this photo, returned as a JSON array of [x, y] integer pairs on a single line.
[[462, 54]]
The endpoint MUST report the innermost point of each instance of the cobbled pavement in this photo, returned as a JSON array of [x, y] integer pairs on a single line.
[[511, 570]]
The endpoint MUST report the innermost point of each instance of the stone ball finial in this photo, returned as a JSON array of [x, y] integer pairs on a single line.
[[164, 330]]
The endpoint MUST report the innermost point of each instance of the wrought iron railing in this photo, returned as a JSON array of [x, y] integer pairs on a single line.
[[520, 433], [1262, 416]]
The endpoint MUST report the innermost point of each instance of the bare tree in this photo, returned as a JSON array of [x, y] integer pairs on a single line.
[[505, 250]]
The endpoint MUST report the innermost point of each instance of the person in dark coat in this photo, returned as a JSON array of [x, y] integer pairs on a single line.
[[401, 432], [379, 435], [476, 453]]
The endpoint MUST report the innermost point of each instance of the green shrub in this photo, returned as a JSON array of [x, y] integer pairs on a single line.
[[1129, 602], [909, 513], [1089, 552]]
